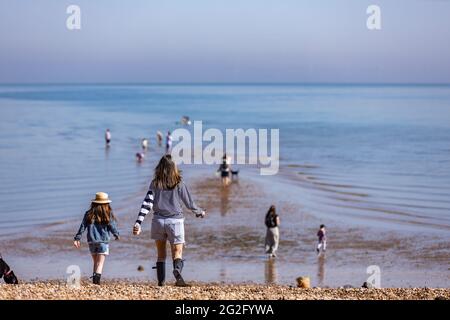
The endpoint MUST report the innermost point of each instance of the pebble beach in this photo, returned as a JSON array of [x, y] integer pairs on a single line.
[[121, 290]]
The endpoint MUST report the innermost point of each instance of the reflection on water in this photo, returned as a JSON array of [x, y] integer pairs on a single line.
[[270, 271], [223, 272], [320, 269], [107, 147], [224, 200]]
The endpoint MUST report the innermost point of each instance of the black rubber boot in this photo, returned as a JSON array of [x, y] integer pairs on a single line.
[[177, 269], [161, 273], [96, 278]]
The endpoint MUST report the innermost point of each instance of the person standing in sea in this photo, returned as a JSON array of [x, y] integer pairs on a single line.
[[108, 137], [144, 144], [159, 138], [272, 222], [225, 171], [168, 142], [322, 237], [165, 196]]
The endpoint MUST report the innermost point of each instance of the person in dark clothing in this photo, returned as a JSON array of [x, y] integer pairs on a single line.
[[225, 171], [272, 222], [322, 236]]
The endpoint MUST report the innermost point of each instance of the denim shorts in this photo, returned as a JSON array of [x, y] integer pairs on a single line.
[[99, 248], [168, 229]]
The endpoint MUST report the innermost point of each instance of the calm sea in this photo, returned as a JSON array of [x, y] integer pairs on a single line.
[[376, 153]]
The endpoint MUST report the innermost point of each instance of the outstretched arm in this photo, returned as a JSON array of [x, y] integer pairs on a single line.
[[189, 202]]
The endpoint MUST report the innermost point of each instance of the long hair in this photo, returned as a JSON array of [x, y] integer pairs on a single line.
[[272, 212], [100, 213], [167, 175]]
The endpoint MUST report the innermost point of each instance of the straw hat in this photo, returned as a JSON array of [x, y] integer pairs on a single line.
[[101, 198]]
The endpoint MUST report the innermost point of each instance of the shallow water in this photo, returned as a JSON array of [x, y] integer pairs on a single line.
[[359, 157]]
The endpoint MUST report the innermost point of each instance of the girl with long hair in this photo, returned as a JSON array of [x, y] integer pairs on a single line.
[[99, 221], [165, 196]]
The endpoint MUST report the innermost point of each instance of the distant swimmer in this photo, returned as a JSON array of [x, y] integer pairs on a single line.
[[322, 237], [159, 138], [144, 144], [225, 171], [168, 142], [272, 222], [185, 120], [140, 157], [108, 137]]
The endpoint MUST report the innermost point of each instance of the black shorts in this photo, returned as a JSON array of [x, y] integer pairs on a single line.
[[225, 174]]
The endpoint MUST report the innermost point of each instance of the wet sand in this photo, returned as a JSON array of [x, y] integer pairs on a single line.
[[122, 290], [227, 246]]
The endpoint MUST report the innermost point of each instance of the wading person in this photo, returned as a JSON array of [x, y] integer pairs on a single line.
[[322, 237], [165, 196], [144, 144], [108, 137], [99, 221], [159, 138], [272, 222], [168, 143], [225, 171]]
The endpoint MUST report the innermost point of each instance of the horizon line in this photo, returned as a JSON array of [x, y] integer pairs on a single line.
[[233, 83]]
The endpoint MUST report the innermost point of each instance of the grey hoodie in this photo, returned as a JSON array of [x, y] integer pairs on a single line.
[[166, 203]]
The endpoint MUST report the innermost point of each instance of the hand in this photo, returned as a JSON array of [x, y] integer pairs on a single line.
[[117, 237], [136, 229], [77, 244], [201, 214]]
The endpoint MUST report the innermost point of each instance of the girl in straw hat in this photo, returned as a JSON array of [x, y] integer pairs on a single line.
[[99, 221]]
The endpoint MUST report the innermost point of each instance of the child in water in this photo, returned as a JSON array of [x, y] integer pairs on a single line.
[[99, 221], [322, 235]]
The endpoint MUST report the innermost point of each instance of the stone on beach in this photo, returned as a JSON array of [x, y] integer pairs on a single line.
[[303, 282]]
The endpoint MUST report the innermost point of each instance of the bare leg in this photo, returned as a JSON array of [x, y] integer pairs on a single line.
[[100, 259], [94, 261], [225, 181]]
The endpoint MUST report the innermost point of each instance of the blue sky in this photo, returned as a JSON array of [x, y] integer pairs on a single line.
[[224, 41]]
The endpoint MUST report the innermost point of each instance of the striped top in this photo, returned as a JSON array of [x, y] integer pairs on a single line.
[[167, 203]]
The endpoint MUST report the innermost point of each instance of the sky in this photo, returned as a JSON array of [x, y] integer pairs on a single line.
[[180, 41]]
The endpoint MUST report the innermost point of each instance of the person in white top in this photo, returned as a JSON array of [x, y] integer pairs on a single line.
[[144, 144], [108, 137]]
